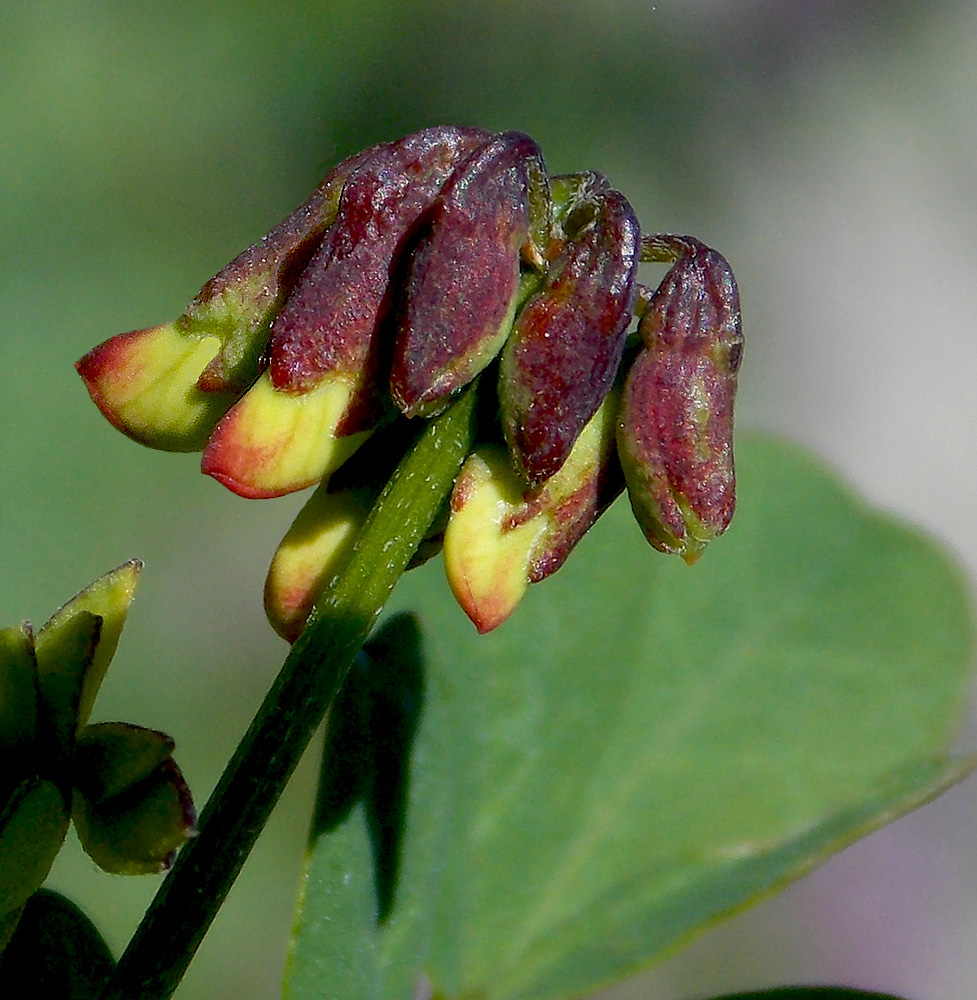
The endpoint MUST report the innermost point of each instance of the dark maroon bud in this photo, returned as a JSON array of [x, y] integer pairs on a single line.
[[462, 281], [563, 355], [329, 324], [675, 434], [240, 301]]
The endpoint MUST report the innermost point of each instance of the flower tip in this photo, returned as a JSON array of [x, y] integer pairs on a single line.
[[310, 552], [144, 382], [487, 564], [486, 608], [271, 443]]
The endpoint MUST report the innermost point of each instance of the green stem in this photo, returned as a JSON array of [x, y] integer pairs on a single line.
[[188, 900]]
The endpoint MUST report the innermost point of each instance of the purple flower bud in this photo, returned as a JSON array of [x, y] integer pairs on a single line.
[[330, 323], [563, 355], [320, 395], [462, 281], [675, 435]]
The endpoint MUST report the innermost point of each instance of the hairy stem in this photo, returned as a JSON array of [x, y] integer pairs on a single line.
[[188, 900]]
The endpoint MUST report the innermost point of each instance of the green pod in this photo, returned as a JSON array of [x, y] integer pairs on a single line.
[[111, 757], [138, 831]]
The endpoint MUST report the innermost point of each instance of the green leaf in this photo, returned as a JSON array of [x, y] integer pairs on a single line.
[[55, 952], [32, 829], [108, 598], [367, 748], [644, 747]]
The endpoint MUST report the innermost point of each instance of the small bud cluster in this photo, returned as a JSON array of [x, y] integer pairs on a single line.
[[117, 782], [415, 266]]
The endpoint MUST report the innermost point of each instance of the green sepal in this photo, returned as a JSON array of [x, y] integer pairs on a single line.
[[67, 656], [108, 598], [111, 757], [18, 705], [139, 831], [56, 952], [32, 829]]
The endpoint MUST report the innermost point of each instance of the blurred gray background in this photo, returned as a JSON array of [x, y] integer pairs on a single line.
[[829, 149]]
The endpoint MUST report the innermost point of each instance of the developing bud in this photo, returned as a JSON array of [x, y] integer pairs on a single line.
[[564, 352], [167, 386], [501, 537], [675, 434], [462, 280], [409, 269], [313, 406]]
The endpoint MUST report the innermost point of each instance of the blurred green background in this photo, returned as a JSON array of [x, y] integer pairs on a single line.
[[829, 149]]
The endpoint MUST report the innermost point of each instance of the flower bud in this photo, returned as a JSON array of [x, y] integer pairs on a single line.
[[112, 757], [323, 533], [319, 397], [675, 435], [563, 355], [501, 537], [138, 831], [462, 279], [167, 386]]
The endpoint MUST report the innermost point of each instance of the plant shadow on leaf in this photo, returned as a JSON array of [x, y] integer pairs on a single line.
[[641, 750], [366, 756]]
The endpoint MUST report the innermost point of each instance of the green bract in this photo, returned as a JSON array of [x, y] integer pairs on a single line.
[[129, 801]]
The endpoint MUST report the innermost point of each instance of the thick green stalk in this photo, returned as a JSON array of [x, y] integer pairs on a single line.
[[188, 900]]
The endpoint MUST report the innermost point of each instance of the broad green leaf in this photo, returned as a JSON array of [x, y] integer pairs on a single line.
[[56, 952], [644, 747], [108, 598]]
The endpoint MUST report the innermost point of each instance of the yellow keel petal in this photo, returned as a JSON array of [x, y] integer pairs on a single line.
[[271, 443], [145, 383]]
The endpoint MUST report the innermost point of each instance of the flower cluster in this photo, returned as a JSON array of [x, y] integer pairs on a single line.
[[415, 266], [117, 782]]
